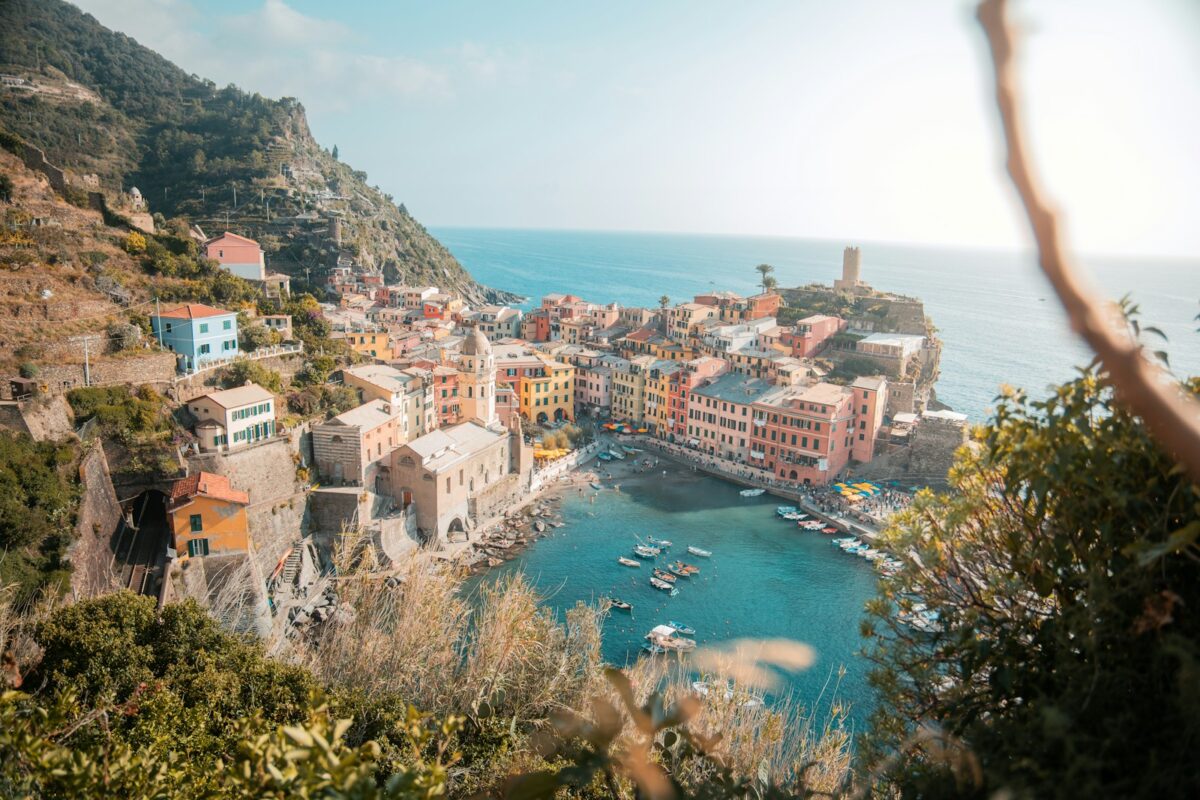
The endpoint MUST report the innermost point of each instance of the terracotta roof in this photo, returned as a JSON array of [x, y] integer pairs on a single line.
[[234, 236], [192, 311], [208, 485]]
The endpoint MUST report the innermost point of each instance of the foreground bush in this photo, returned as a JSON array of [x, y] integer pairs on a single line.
[[1066, 579]]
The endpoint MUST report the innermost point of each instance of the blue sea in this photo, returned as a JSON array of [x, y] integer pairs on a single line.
[[998, 319], [997, 316]]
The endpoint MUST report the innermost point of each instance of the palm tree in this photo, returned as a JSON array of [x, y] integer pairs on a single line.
[[663, 302], [769, 284], [764, 270]]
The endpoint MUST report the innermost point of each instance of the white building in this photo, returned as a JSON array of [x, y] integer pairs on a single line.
[[234, 418]]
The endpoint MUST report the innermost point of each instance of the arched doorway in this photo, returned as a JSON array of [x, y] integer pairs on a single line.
[[559, 415], [794, 475], [456, 528], [542, 419]]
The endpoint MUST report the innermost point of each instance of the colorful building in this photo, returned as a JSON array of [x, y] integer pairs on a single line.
[[549, 396], [719, 415], [811, 334], [234, 418], [679, 388], [352, 447], [237, 254], [804, 434], [870, 400], [197, 333], [206, 515]]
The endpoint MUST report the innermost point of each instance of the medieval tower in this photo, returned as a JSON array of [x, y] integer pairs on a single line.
[[479, 381], [851, 270]]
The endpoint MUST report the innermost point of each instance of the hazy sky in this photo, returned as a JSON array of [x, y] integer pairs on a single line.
[[863, 120]]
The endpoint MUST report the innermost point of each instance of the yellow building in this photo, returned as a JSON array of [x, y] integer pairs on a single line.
[[207, 515], [629, 388], [548, 393], [376, 344], [658, 382]]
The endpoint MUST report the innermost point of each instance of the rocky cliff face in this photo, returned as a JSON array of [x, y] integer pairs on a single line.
[[119, 115]]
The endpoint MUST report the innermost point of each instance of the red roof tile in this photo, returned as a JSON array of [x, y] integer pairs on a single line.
[[208, 485]]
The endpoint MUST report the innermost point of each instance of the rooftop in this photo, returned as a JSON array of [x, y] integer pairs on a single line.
[[207, 484], [446, 446], [193, 311], [241, 396], [367, 416], [735, 388]]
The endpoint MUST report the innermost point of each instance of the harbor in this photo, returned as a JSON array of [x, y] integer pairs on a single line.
[[762, 577]]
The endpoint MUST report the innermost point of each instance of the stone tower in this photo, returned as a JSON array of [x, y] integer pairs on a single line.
[[851, 270], [479, 380]]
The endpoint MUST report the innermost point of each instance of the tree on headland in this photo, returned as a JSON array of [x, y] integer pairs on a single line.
[[764, 270], [769, 284], [335, 153], [663, 302]]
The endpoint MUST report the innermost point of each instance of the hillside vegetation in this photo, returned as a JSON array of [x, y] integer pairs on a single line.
[[101, 104]]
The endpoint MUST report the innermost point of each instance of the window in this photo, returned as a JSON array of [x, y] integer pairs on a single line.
[[228, 324], [229, 344], [205, 349], [204, 327], [197, 523], [198, 547]]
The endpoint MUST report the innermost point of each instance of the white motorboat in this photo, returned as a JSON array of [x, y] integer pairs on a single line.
[[751, 492], [664, 586], [645, 551], [628, 562], [698, 551]]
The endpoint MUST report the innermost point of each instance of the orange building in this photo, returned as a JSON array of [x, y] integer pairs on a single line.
[[207, 515]]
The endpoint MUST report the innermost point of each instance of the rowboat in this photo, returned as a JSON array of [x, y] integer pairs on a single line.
[[697, 551], [662, 544], [605, 456], [596, 485], [653, 649], [682, 629], [621, 604], [629, 562], [663, 586], [645, 551], [663, 575], [686, 569], [751, 492]]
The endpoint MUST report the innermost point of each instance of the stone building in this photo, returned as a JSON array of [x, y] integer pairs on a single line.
[[354, 447], [459, 476]]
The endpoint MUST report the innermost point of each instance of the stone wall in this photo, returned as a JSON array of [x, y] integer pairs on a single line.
[[901, 398], [99, 515], [934, 443], [495, 499], [154, 368], [48, 418], [188, 388], [35, 159]]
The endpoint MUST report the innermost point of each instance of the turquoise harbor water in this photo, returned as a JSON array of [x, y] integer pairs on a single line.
[[997, 317], [766, 577]]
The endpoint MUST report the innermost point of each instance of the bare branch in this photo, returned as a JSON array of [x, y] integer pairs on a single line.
[[1172, 416]]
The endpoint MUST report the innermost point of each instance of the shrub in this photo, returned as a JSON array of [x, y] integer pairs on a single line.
[[239, 373], [135, 243], [1064, 575], [28, 370]]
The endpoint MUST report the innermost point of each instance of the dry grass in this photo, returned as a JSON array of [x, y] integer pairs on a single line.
[[504, 655]]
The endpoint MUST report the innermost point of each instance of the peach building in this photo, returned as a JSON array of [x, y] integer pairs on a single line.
[[207, 515], [810, 335], [804, 434], [719, 415]]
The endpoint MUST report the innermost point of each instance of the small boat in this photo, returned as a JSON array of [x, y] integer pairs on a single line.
[[660, 543], [617, 454], [785, 510], [629, 562], [751, 492], [653, 649], [596, 485], [605, 456], [663, 575], [682, 629], [620, 604], [663, 586], [794, 516], [664, 636], [698, 551], [630, 450], [829, 529], [644, 551], [677, 572], [811, 525]]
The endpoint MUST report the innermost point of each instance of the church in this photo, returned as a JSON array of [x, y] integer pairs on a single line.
[[458, 477]]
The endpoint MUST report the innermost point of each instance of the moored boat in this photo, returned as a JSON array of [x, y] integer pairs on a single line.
[[663, 575], [751, 492], [664, 636], [687, 569], [699, 551], [663, 586], [629, 562], [621, 604], [682, 629], [785, 510], [659, 543], [645, 551], [596, 485], [605, 456]]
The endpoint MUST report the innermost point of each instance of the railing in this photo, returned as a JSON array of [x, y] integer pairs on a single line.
[[262, 352]]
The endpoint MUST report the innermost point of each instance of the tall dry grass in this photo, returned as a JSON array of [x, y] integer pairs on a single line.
[[503, 654]]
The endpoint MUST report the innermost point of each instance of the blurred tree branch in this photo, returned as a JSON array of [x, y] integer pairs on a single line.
[[1148, 390]]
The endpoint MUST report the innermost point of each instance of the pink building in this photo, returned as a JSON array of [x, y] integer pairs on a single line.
[[719, 415], [804, 434], [593, 388], [445, 395], [870, 399], [237, 254], [679, 389], [809, 336]]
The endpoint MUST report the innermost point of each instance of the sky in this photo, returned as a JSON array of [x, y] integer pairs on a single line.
[[864, 120]]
